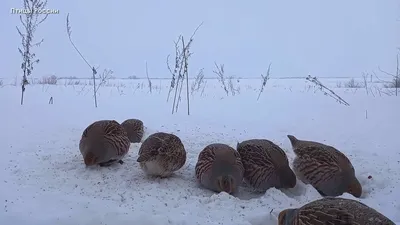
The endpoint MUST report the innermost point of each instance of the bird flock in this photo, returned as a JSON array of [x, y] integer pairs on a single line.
[[258, 163]]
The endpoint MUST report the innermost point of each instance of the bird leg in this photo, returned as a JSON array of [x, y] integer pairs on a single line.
[[108, 163]]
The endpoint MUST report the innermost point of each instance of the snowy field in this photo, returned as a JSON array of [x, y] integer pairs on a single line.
[[45, 182]]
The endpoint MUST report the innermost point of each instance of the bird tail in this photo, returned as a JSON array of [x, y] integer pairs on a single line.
[[293, 140]]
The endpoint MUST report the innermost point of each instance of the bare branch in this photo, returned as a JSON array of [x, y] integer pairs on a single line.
[[389, 74], [69, 32], [326, 90]]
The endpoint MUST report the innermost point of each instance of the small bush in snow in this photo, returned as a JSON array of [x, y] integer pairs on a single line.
[[353, 84], [52, 80]]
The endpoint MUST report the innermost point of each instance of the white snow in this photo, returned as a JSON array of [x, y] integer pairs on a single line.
[[44, 180]]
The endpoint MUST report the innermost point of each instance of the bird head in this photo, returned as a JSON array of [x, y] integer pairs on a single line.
[[355, 188], [226, 183], [286, 217], [90, 159]]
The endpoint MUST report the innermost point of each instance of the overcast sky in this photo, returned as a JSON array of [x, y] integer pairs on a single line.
[[323, 38]]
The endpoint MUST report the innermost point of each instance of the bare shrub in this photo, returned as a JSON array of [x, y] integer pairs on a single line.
[[30, 22], [1, 83], [325, 90], [51, 80], [352, 83], [133, 77], [264, 80]]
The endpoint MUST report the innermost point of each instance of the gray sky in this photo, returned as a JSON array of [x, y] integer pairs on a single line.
[[324, 38]]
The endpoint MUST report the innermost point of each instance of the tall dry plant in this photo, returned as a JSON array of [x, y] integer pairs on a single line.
[[180, 71], [149, 84], [103, 77], [30, 22]]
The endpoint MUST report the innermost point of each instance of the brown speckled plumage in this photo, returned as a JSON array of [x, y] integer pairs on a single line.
[[104, 142], [333, 211], [327, 169], [161, 154], [297, 143], [266, 165], [219, 168], [134, 128]]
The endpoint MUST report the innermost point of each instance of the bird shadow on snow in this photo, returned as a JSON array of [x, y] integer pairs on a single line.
[[246, 192]]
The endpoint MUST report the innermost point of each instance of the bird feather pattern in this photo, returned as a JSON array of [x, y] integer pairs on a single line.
[[266, 164]]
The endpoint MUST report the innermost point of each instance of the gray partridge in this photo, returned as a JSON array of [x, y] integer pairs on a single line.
[[161, 154], [219, 168], [266, 165], [134, 128], [327, 169], [104, 142], [333, 211]]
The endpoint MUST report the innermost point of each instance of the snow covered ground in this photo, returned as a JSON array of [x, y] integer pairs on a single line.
[[44, 180]]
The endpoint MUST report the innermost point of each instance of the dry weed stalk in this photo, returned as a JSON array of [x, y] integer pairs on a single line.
[[365, 76], [148, 79], [227, 84], [30, 22], [180, 70], [220, 72], [234, 90], [106, 73], [264, 80], [104, 78], [177, 67], [198, 82], [326, 91]]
